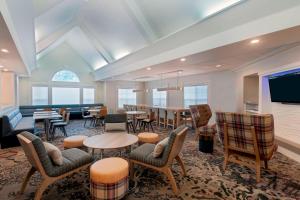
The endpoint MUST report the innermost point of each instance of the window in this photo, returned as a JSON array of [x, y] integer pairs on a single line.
[[65, 95], [126, 96], [88, 95], [65, 76], [159, 98], [195, 95], [39, 95]]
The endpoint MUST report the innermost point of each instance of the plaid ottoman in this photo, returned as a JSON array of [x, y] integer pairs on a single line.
[[109, 179]]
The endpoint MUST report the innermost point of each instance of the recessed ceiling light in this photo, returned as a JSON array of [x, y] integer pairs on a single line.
[[180, 72], [4, 50], [182, 59], [1, 66], [148, 68], [255, 41], [5, 70], [217, 66]]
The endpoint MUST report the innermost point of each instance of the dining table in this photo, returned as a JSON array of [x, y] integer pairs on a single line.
[[46, 116], [134, 114]]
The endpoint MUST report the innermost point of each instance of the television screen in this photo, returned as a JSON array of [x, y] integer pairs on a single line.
[[285, 88]]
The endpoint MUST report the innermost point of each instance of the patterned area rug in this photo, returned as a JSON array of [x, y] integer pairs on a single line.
[[205, 177]]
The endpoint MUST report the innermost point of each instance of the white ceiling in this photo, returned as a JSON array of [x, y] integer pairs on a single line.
[[231, 57], [102, 32], [116, 37], [12, 60]]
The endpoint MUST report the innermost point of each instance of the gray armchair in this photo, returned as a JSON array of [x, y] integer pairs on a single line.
[[74, 160], [143, 156]]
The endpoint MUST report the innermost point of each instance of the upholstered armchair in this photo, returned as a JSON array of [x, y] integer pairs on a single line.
[[250, 136], [74, 160], [201, 115], [143, 155], [116, 123]]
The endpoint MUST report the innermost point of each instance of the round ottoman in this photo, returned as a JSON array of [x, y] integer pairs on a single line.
[[75, 141], [109, 178], [147, 137]]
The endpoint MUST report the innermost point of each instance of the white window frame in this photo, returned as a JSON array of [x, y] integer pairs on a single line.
[[70, 87], [196, 102], [39, 86], [160, 98], [88, 88], [125, 102]]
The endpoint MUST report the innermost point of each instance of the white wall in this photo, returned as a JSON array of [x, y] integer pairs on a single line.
[[221, 92], [286, 117], [63, 57]]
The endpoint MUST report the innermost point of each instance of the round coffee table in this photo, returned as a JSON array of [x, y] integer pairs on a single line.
[[110, 141]]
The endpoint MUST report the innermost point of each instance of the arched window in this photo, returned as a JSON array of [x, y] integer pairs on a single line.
[[65, 76]]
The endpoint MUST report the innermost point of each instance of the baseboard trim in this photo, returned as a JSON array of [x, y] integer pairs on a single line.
[[289, 148]]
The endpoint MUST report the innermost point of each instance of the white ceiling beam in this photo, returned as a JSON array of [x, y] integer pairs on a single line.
[[53, 37], [140, 20], [232, 25], [91, 35], [19, 18]]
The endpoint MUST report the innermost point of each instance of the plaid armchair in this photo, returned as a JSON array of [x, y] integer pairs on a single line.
[[248, 135], [201, 115]]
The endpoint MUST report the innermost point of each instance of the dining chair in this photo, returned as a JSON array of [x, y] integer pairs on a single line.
[[201, 115], [61, 126], [162, 118], [171, 119], [149, 121], [99, 118], [86, 116]]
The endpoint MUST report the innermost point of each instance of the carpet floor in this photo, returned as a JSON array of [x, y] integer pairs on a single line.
[[205, 178]]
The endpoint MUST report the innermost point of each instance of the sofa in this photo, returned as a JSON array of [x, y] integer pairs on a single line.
[[74, 109], [13, 123]]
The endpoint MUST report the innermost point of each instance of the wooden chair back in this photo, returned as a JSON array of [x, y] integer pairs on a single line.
[[177, 144], [103, 112], [31, 154], [47, 109]]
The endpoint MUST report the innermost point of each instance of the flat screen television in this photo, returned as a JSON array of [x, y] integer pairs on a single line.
[[285, 88]]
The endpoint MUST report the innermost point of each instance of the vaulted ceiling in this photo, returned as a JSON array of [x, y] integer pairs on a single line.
[[119, 36], [105, 31]]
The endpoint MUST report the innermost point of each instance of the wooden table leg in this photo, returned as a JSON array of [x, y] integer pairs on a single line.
[[177, 119]]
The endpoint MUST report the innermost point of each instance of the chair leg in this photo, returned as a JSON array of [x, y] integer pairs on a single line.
[[151, 127], [266, 164], [178, 159], [226, 156], [53, 132], [257, 166], [131, 172], [43, 186], [148, 127], [84, 122], [170, 176], [27, 178], [64, 131]]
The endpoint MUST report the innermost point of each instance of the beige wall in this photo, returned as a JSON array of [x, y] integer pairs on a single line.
[[63, 57], [221, 92]]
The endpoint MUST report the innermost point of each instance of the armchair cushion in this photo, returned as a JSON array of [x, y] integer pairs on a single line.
[[159, 147], [54, 153], [144, 153], [115, 127]]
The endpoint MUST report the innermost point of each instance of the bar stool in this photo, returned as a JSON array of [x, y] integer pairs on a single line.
[[162, 117], [171, 119]]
